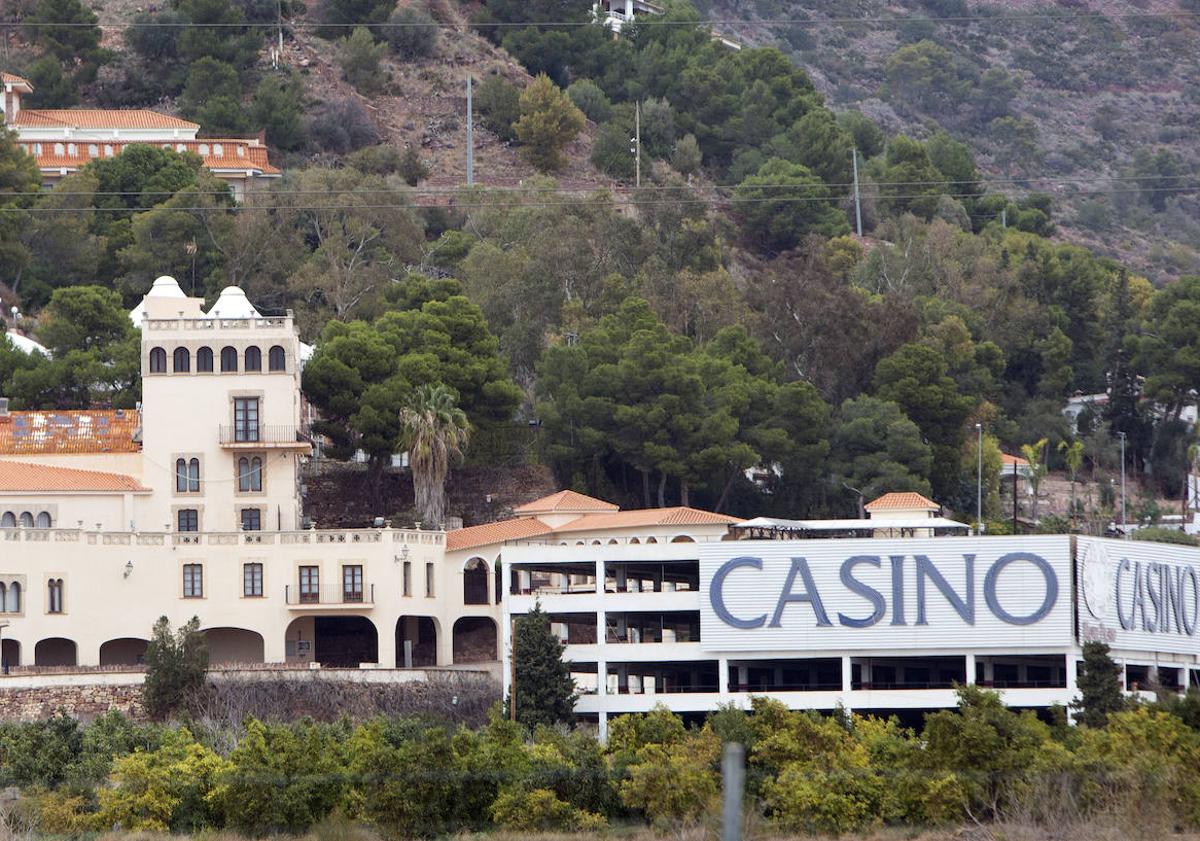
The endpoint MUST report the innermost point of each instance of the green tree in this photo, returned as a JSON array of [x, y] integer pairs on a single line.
[[875, 448], [923, 76], [686, 158], [1073, 456], [590, 99], [176, 664], [543, 690], [52, 86], [359, 56], [548, 122], [67, 29], [434, 432], [784, 202], [499, 104], [1168, 349], [1035, 454], [1100, 691], [867, 137], [209, 79], [277, 108], [819, 142], [412, 34]]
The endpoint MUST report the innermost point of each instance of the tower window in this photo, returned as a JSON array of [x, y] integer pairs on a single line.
[[183, 360], [277, 359], [253, 359], [158, 361], [229, 359], [204, 360]]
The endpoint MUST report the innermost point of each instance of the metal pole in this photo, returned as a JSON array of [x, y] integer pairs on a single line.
[[979, 482], [1122, 434], [857, 202], [637, 144], [733, 773], [1014, 496], [470, 138]]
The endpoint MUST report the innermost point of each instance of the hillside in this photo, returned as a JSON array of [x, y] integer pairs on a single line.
[[1075, 106]]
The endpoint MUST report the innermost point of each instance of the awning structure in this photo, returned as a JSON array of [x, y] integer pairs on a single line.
[[773, 527]]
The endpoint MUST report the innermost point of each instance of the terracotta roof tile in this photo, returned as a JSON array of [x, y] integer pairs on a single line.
[[255, 157], [1005, 458], [97, 118], [17, 476], [680, 516], [498, 532], [567, 502], [906, 501], [13, 79], [99, 431]]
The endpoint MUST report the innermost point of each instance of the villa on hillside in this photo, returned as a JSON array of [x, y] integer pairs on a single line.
[[65, 140]]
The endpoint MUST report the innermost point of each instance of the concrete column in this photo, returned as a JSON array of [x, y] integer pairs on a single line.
[[970, 670], [1072, 684], [989, 671], [387, 642], [847, 682], [723, 675], [603, 727], [445, 643], [505, 650], [274, 641]]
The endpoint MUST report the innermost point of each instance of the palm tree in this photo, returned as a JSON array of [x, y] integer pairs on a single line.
[[1073, 455], [1035, 455], [435, 431]]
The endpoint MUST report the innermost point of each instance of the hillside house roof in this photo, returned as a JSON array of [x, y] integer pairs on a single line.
[[565, 502], [489, 533], [100, 118], [14, 80], [77, 431], [237, 154], [678, 516], [905, 501], [19, 477]]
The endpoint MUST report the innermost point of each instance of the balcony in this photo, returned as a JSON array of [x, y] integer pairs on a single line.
[[329, 598], [263, 437]]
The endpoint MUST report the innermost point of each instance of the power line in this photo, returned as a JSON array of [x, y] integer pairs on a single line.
[[892, 21], [983, 183], [618, 200]]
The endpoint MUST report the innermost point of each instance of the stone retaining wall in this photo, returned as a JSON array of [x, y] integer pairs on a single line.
[[82, 701]]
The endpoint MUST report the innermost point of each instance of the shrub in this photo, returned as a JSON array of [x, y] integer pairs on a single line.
[[540, 810], [376, 160], [548, 122], [610, 151], [277, 108], [675, 784], [209, 79], [499, 104], [412, 168], [341, 127], [412, 34], [175, 667], [1161, 534], [590, 99], [359, 56], [686, 158]]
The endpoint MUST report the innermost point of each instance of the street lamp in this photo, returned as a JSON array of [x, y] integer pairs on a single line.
[[979, 481]]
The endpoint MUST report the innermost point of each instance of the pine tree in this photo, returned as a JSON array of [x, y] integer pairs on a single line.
[[545, 692], [175, 666], [1099, 687]]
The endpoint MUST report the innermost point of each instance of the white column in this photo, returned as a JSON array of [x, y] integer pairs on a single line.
[[847, 682], [1072, 685], [723, 676], [970, 670], [603, 727]]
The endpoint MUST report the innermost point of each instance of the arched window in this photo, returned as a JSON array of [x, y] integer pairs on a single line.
[[3, 597], [277, 358], [43, 520], [193, 483], [183, 360], [158, 361], [26, 520], [37, 148], [108, 151], [181, 475], [93, 150], [203, 149], [12, 599], [72, 149], [58, 149], [218, 150], [228, 359], [54, 592], [253, 359], [249, 474], [204, 360], [8, 520]]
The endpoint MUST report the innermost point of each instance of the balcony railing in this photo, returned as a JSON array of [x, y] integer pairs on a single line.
[[259, 435], [328, 596]]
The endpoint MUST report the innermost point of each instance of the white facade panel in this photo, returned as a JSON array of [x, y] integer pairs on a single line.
[[1139, 596], [871, 594]]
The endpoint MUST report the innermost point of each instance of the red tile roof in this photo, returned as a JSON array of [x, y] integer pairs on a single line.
[[907, 501], [567, 502], [498, 532], [254, 156], [97, 118], [1009, 461], [18, 477], [680, 516], [13, 79], [88, 431]]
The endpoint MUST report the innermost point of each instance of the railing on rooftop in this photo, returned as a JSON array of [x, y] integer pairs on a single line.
[[417, 537], [265, 322]]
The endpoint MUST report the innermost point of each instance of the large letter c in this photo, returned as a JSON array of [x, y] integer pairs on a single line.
[[717, 595]]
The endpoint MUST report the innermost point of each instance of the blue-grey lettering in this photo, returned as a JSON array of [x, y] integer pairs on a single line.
[[1126, 622], [866, 591], [1194, 585], [926, 569], [717, 593], [1139, 594], [1150, 621], [1049, 599], [809, 595], [897, 589]]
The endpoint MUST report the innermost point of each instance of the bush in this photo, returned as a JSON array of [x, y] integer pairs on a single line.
[[342, 126], [499, 103], [412, 169], [412, 34], [548, 122], [675, 784], [175, 667], [1162, 534], [359, 56], [540, 810], [277, 108], [686, 158], [376, 160], [590, 99]]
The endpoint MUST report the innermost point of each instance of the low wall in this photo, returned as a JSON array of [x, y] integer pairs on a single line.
[[85, 693]]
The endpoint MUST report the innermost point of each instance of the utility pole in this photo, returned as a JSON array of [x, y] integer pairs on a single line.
[[278, 57], [979, 483], [1014, 496], [470, 138], [636, 148], [1123, 531], [733, 776], [857, 201]]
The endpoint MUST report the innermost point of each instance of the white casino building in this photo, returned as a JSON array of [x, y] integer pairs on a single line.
[[192, 505]]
